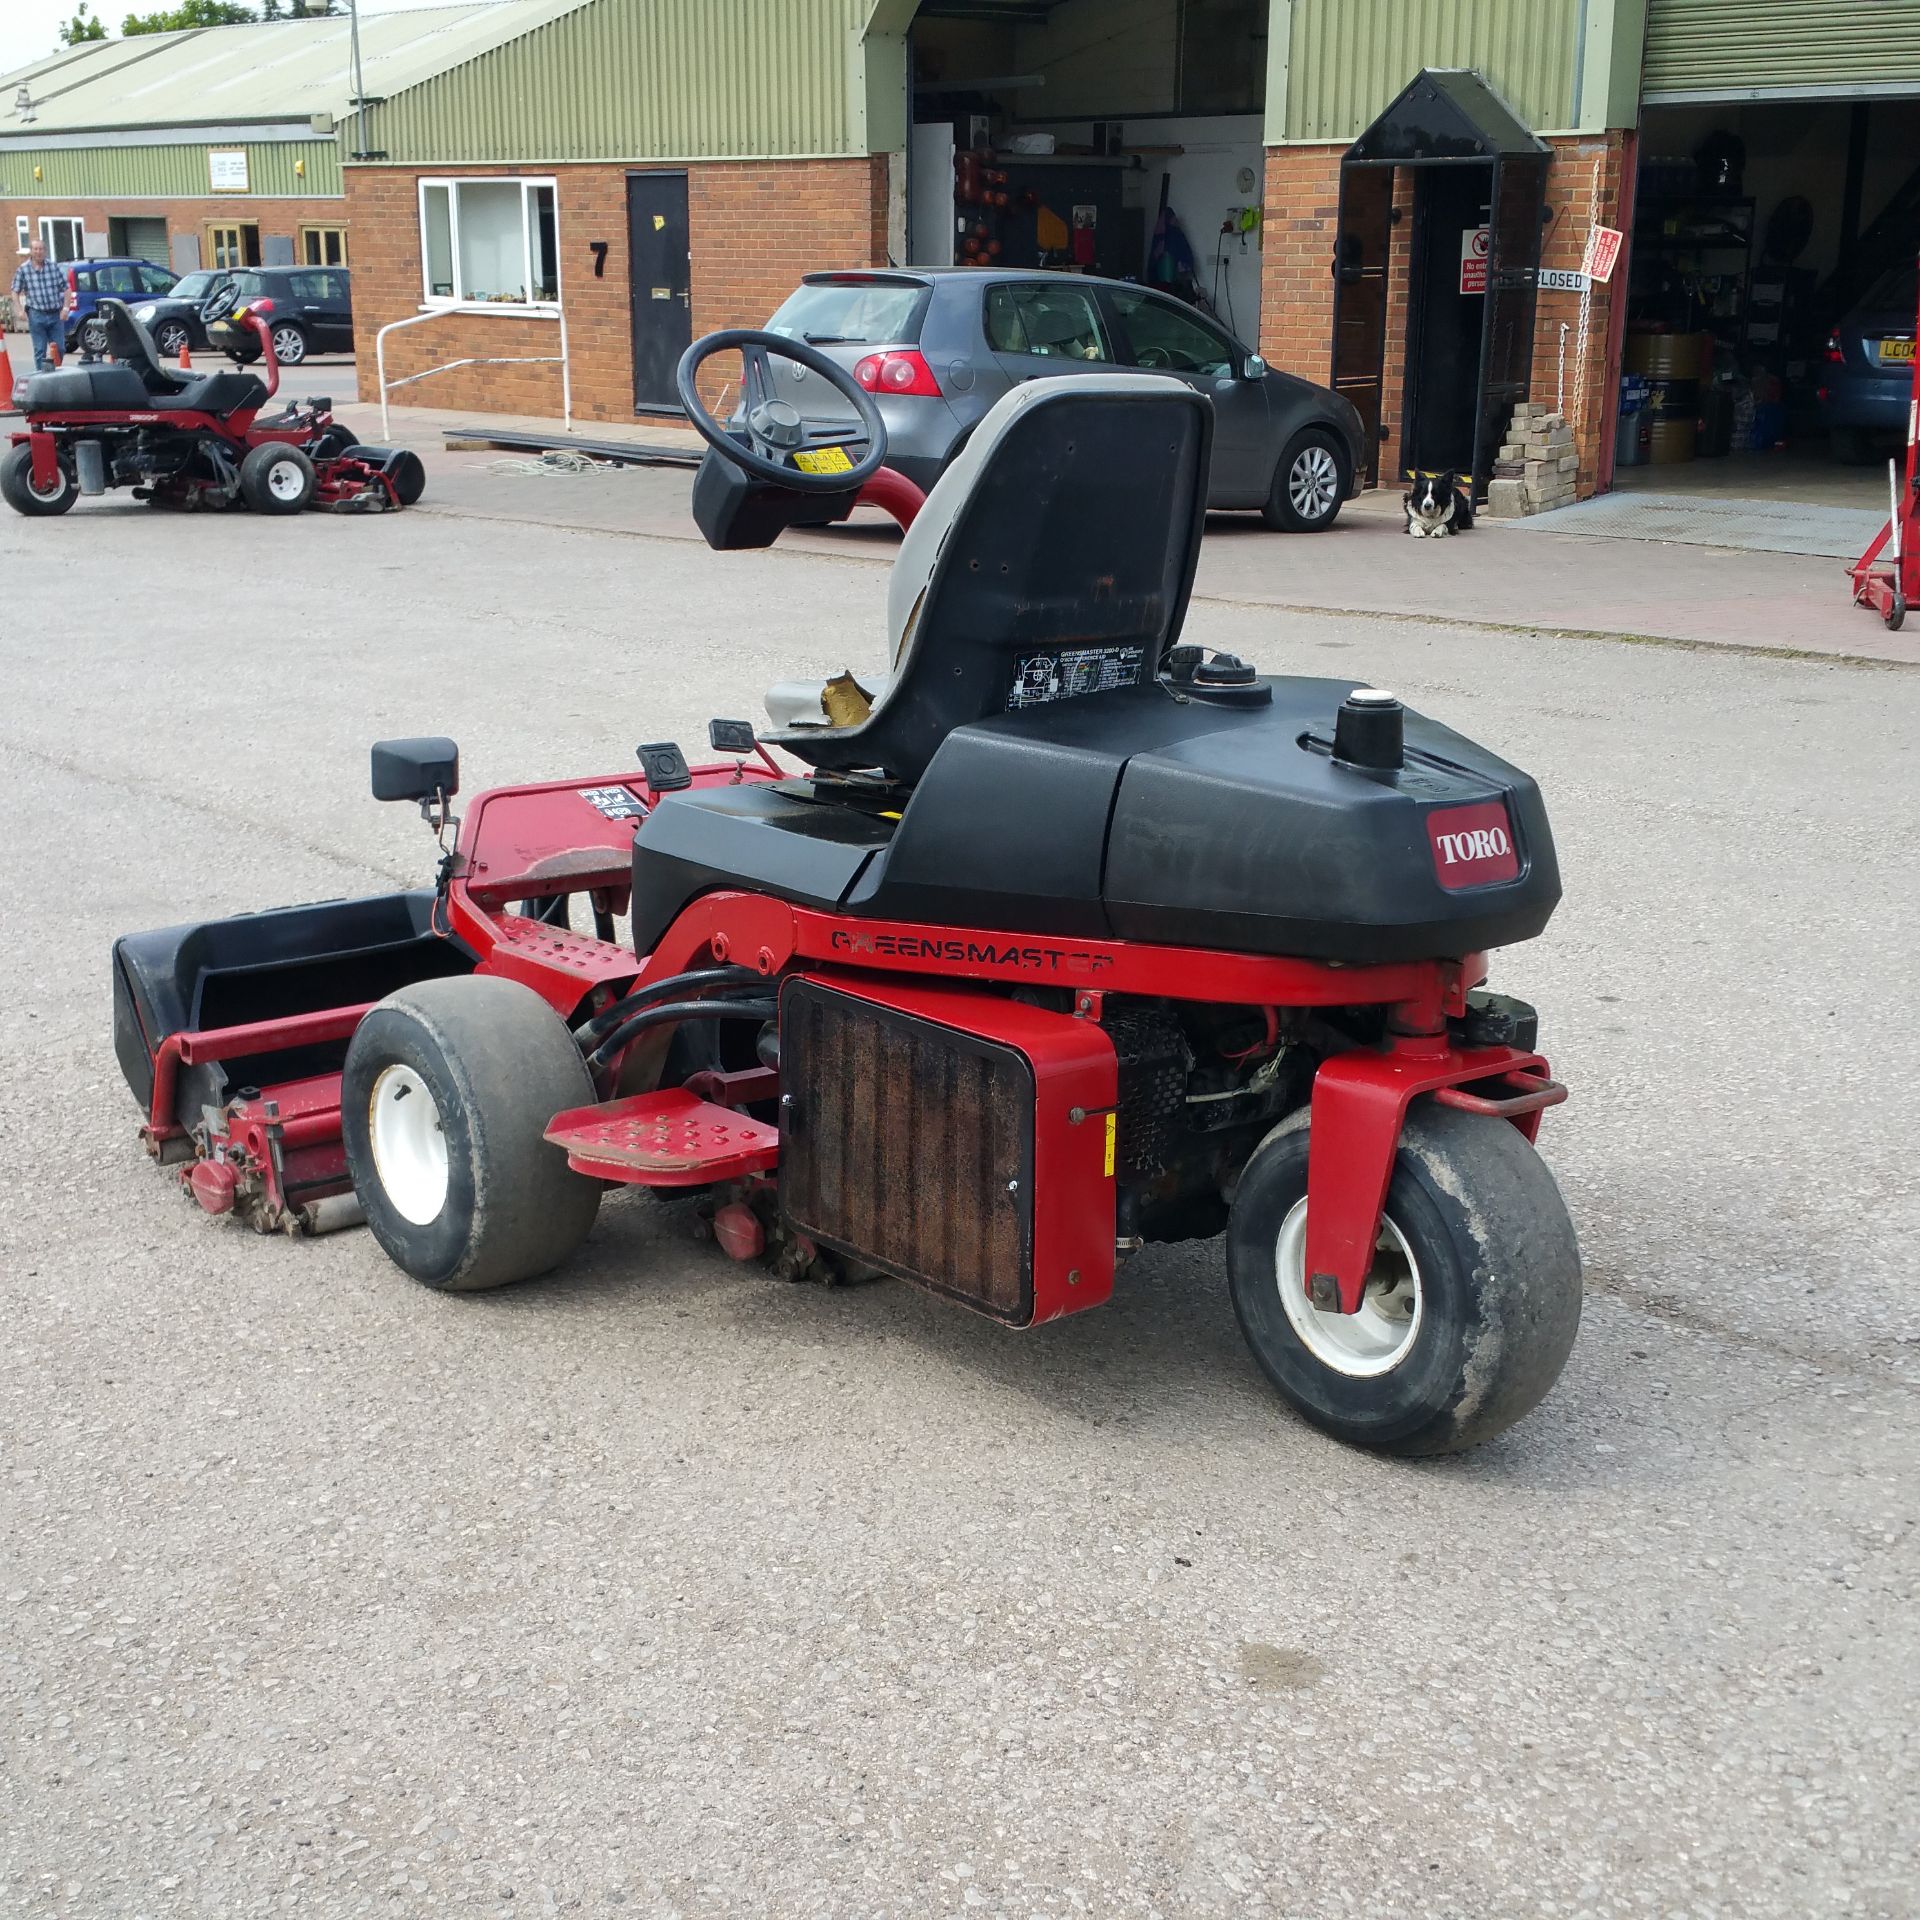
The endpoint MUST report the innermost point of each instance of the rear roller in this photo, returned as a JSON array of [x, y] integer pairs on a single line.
[[444, 1104], [1471, 1307]]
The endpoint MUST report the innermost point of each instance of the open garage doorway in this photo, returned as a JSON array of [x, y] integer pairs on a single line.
[[1117, 137], [1771, 298]]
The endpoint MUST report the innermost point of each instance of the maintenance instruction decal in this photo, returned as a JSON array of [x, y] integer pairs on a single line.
[[1064, 676]]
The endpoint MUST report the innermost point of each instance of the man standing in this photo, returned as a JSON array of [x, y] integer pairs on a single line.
[[41, 288]]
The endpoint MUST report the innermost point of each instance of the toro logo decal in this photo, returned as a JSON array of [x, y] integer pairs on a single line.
[[1472, 846]]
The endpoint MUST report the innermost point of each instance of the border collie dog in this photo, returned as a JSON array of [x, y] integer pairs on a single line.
[[1437, 505]]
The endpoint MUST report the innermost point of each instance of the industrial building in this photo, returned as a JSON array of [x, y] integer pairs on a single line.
[[1398, 199]]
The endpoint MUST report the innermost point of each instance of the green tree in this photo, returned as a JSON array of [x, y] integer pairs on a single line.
[[190, 13], [82, 27]]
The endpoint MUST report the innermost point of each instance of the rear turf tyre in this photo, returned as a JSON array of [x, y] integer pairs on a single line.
[[19, 492], [1312, 479], [447, 1092], [276, 478], [1471, 1308]]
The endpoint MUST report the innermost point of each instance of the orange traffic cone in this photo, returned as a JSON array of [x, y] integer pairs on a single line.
[[55, 357], [186, 358], [6, 379]]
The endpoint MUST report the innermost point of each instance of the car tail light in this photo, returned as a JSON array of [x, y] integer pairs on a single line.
[[1834, 356], [73, 280], [260, 306], [897, 370]]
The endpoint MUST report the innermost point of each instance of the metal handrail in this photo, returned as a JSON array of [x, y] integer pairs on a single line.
[[387, 386]]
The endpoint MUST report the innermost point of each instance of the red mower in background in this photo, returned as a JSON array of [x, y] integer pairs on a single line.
[[186, 440], [1066, 937], [1887, 576]]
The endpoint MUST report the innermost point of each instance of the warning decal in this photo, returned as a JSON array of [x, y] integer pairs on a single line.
[[1042, 677], [616, 803]]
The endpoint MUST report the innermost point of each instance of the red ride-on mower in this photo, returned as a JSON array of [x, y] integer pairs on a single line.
[[1067, 937], [188, 440]]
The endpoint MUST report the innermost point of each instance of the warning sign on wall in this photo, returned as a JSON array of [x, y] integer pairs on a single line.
[[1475, 244], [1603, 250]]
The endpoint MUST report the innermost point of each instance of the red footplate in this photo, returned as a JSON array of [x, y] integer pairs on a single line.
[[666, 1139]]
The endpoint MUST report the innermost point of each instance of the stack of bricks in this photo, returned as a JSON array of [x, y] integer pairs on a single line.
[[1536, 468]]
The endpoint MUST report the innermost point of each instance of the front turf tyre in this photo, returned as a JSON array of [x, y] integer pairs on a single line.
[[1470, 1310], [277, 478], [1309, 484], [19, 492], [444, 1102]]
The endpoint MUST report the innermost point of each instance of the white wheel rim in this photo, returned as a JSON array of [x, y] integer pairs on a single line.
[[409, 1148], [1361, 1345], [289, 346], [1313, 483], [285, 481]]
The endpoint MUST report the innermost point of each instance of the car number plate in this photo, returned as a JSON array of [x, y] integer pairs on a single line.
[[823, 460], [1896, 349]]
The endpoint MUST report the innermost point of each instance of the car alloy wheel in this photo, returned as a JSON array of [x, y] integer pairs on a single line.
[[171, 338], [289, 346], [93, 336], [1313, 481]]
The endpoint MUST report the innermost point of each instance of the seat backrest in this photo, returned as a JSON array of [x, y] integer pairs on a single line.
[[1054, 558], [130, 343]]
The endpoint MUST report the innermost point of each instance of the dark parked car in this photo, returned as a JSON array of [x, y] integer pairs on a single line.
[[1867, 380], [128, 280], [938, 346], [308, 310], [174, 319]]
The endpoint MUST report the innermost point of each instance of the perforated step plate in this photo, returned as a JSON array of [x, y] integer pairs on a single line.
[[666, 1139]]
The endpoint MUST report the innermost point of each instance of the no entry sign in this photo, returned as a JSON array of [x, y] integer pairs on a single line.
[[1475, 244]]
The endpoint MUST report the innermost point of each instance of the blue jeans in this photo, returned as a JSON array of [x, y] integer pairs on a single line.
[[48, 331]]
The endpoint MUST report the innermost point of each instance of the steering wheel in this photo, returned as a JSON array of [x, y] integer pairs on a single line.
[[218, 305], [774, 427]]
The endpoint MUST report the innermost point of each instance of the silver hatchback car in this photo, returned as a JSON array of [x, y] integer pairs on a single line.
[[937, 346]]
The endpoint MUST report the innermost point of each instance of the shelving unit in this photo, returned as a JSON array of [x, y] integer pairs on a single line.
[[1693, 263]]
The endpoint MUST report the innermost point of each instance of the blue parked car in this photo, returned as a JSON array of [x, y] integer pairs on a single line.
[[1867, 379], [128, 280]]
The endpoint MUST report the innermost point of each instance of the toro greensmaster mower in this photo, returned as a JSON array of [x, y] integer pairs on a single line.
[[1064, 937], [187, 440]]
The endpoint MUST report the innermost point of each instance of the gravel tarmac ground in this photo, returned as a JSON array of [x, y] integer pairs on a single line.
[[658, 1587]]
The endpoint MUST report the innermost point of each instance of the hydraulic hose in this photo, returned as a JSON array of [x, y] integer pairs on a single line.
[[589, 1032], [676, 1010]]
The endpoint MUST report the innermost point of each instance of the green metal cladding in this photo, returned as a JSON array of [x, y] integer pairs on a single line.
[[1344, 60], [167, 172], [1707, 49], [645, 79]]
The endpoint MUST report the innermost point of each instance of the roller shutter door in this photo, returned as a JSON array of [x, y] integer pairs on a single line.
[[1780, 49], [147, 240]]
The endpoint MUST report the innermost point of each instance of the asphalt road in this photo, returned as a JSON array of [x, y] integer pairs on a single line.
[[658, 1587]]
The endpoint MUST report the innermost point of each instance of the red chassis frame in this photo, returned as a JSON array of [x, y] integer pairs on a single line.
[[518, 845], [340, 480]]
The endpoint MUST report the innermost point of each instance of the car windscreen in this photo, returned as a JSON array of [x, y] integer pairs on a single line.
[[1896, 291], [865, 313], [196, 286]]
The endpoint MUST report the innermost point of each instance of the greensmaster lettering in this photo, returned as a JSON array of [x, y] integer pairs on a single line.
[[975, 953]]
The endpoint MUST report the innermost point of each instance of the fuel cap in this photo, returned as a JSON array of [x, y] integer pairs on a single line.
[[1223, 670], [1370, 730]]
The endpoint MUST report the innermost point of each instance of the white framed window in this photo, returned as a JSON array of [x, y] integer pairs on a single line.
[[489, 242], [64, 238], [22, 233]]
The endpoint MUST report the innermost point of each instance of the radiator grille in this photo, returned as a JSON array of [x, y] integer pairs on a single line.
[[900, 1144]]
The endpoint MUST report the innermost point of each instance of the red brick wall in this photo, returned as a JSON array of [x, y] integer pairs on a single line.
[[756, 226], [1296, 321], [281, 217]]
